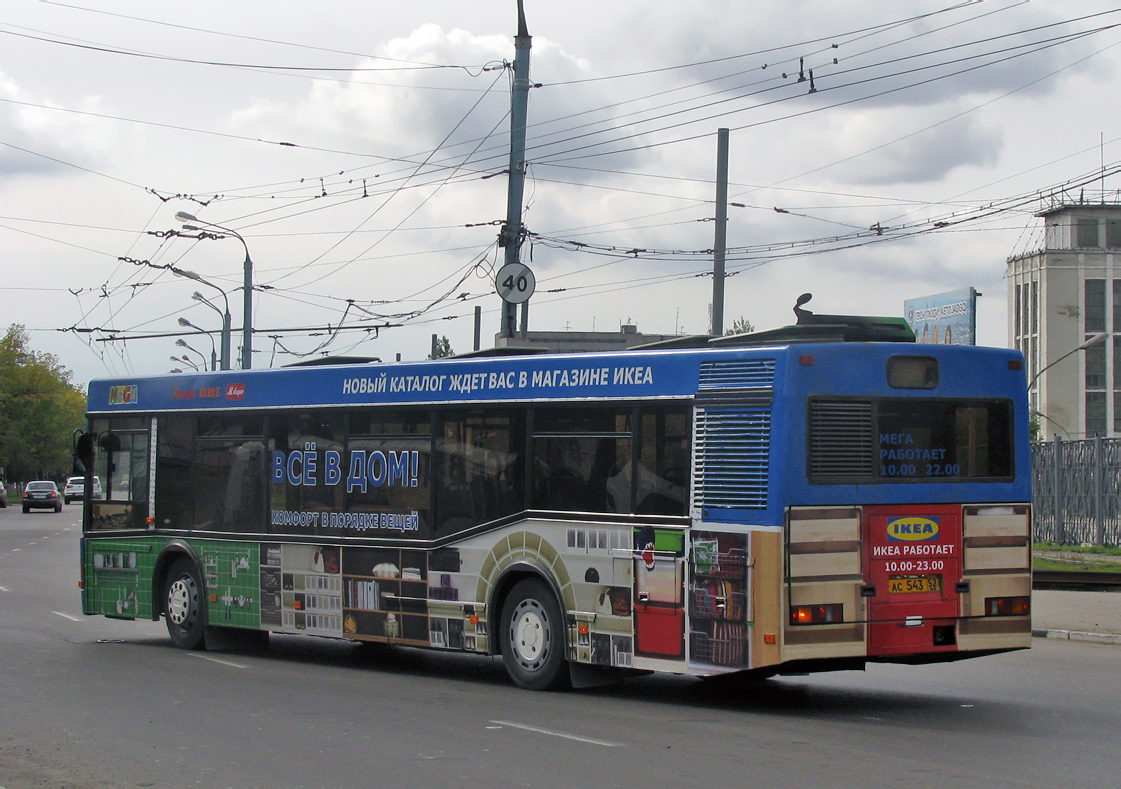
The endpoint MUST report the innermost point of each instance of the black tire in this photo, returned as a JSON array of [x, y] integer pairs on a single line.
[[532, 633], [184, 608], [26, 509], [58, 507]]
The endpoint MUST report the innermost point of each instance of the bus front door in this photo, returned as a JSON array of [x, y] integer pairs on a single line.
[[912, 569]]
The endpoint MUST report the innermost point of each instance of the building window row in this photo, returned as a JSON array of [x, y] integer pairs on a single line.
[[1102, 362], [1087, 233]]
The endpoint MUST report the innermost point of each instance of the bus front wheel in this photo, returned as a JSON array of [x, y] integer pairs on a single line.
[[184, 612], [533, 637]]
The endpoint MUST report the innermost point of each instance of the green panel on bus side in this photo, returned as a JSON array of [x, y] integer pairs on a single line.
[[670, 541], [233, 585], [117, 580]]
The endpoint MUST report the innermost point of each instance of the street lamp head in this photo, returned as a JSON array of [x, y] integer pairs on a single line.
[[183, 216], [182, 272], [181, 343], [185, 323], [1097, 339]]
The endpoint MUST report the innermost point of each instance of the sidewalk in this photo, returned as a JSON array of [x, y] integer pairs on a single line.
[[1077, 616]]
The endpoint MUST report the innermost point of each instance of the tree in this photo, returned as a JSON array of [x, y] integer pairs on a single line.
[[442, 348], [741, 325], [39, 410]]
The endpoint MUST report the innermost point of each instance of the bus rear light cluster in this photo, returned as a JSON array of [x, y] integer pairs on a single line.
[[1007, 606], [817, 614]]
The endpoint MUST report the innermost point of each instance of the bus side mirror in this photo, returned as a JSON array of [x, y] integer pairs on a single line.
[[83, 453]]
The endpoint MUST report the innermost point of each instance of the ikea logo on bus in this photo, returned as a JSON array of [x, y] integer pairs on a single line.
[[912, 529]]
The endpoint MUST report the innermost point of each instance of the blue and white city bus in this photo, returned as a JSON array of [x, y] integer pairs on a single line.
[[805, 499]]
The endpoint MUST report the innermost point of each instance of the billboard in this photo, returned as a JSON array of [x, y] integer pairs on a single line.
[[945, 318]]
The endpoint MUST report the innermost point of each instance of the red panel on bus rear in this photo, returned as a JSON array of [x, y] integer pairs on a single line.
[[913, 562]]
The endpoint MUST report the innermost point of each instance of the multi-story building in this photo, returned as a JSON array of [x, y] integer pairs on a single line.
[[1064, 314]]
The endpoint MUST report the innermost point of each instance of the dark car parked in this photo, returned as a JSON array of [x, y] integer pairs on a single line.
[[41, 495]]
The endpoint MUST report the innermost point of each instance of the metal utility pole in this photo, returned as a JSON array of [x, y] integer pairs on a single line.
[[720, 244], [511, 236]]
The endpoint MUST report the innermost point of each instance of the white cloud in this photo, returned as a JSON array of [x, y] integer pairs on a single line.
[[891, 146]]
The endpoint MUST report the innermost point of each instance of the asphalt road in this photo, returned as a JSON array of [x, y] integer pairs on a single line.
[[97, 702]]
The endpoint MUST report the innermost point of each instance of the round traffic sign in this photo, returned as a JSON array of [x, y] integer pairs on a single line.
[[515, 283]]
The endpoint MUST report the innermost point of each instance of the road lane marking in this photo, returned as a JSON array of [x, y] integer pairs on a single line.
[[66, 616], [4, 589], [217, 660], [561, 734]]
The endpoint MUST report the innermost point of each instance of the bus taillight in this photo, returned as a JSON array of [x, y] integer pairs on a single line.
[[1007, 606], [817, 614]]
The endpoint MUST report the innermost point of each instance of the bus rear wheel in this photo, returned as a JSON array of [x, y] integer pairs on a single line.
[[533, 637], [183, 605]]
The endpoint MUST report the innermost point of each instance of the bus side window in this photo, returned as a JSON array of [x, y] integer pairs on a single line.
[[121, 457], [663, 484], [581, 459], [300, 435], [175, 453], [209, 472], [480, 460]]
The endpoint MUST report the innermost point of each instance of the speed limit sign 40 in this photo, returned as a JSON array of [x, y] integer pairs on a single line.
[[515, 283]]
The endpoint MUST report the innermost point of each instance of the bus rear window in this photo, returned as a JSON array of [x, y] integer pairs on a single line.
[[909, 439]]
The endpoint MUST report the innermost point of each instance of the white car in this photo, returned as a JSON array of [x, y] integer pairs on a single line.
[[75, 489]]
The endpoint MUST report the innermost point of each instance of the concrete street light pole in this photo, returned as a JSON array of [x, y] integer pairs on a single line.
[[183, 344], [186, 324], [511, 235], [189, 221], [225, 361], [225, 322]]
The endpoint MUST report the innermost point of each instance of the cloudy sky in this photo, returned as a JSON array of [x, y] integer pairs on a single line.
[[359, 149]]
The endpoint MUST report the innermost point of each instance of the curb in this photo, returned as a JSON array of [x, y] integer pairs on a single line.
[[1078, 635]]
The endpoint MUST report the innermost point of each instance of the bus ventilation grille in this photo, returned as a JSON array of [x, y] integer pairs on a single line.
[[733, 437], [841, 441], [744, 383], [732, 447]]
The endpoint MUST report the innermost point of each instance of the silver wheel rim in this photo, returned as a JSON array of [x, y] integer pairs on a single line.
[[530, 635], [182, 602]]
